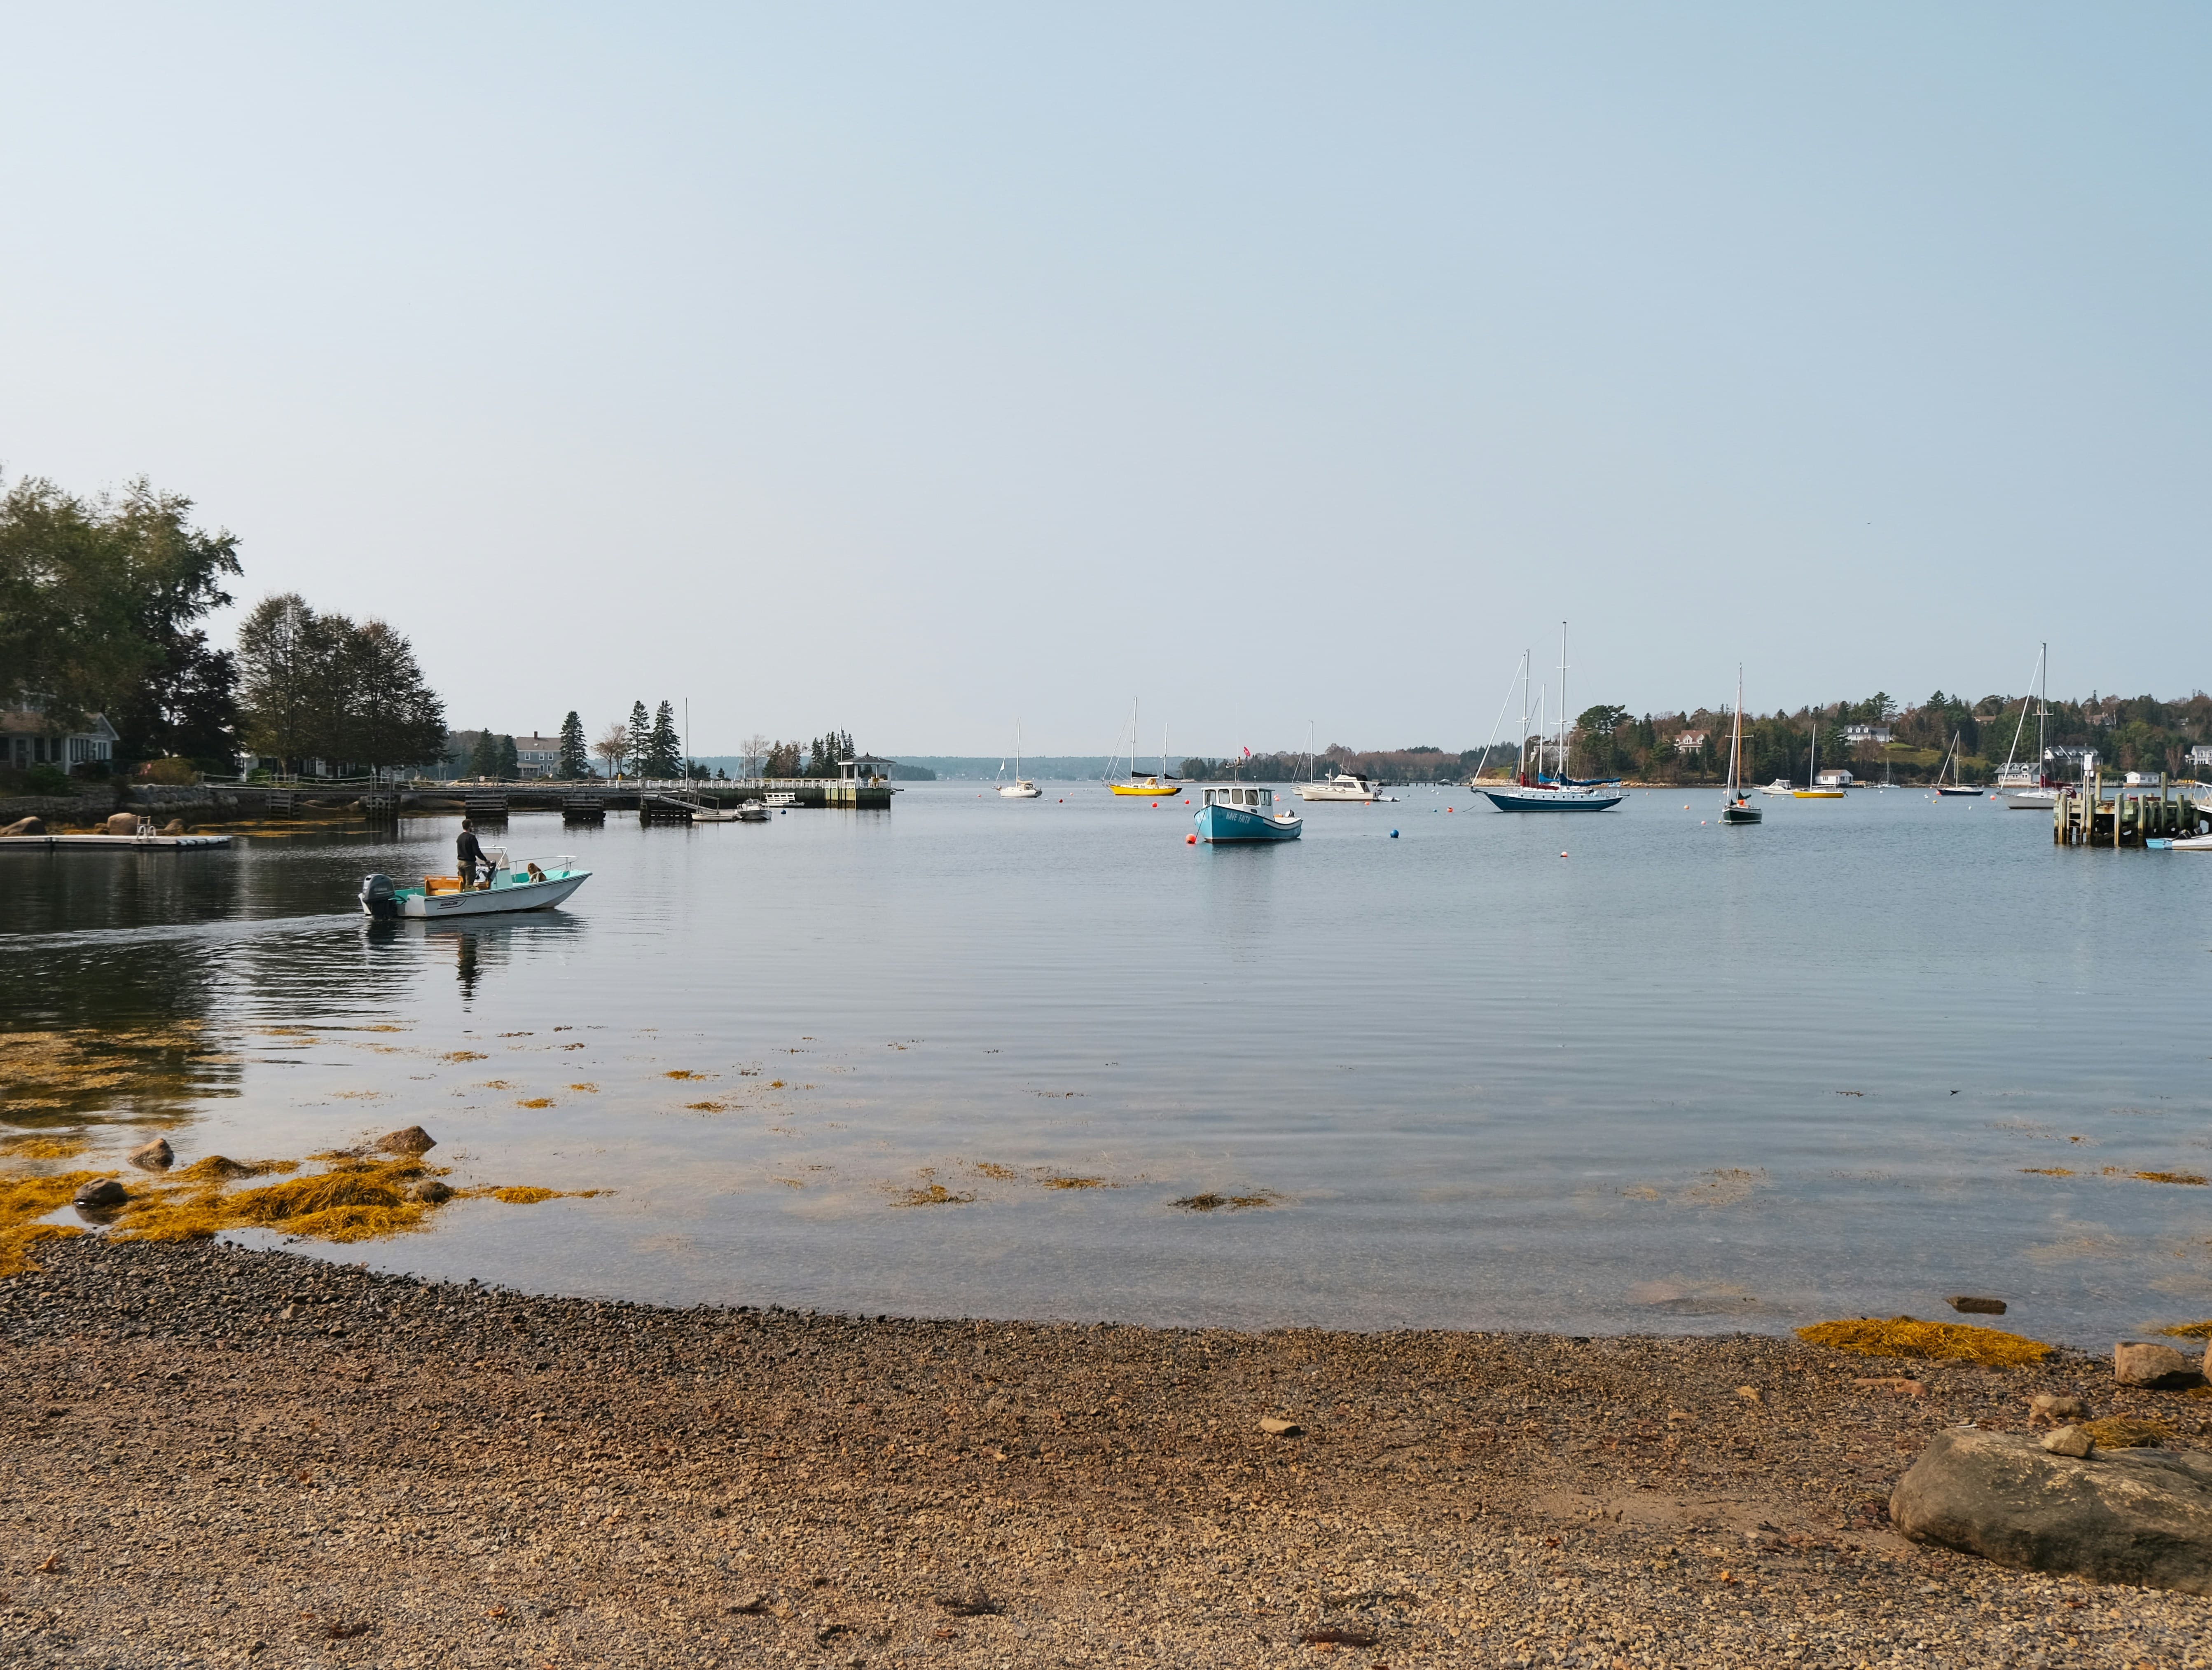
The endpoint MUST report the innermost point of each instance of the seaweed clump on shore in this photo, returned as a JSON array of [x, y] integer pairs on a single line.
[[358, 1198], [1939, 1341], [355, 1200], [2190, 1330], [23, 1200]]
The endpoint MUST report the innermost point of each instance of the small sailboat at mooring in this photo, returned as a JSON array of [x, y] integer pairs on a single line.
[[1153, 786], [1735, 803], [1814, 788], [1021, 787], [1950, 763]]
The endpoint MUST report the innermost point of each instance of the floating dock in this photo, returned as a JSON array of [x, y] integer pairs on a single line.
[[2149, 811], [119, 843]]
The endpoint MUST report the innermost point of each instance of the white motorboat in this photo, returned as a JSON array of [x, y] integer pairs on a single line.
[[705, 813], [538, 885], [1343, 786], [752, 811], [1781, 787], [782, 801]]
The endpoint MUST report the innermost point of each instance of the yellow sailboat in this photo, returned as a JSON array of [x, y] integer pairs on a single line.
[[1813, 790], [1159, 786]]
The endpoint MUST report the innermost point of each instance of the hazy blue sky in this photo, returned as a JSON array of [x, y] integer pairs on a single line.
[[910, 367]]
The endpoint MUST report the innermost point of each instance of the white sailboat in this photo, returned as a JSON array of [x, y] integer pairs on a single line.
[[2026, 789], [1021, 787]]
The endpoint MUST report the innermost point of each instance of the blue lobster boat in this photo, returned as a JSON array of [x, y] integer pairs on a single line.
[[1244, 814]]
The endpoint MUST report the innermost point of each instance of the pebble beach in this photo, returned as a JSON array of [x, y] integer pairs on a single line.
[[213, 1455]]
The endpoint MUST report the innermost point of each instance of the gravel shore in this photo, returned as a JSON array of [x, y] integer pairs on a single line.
[[212, 1456]]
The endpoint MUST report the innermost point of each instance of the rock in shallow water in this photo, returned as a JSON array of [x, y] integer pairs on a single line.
[[2139, 1516], [156, 1156], [413, 1140], [105, 1192]]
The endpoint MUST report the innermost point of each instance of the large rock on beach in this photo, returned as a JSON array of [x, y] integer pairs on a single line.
[[413, 1140], [2128, 1516], [25, 826], [2137, 1362], [123, 823]]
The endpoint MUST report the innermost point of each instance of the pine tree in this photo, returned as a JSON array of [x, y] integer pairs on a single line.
[[484, 758], [664, 749], [641, 740], [575, 761]]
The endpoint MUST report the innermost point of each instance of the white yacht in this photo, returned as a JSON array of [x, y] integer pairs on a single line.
[[1780, 786], [1343, 786]]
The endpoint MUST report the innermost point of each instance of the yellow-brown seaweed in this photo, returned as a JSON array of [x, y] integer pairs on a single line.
[[1941, 1342]]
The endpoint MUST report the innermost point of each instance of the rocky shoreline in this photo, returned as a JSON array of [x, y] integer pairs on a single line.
[[213, 1455]]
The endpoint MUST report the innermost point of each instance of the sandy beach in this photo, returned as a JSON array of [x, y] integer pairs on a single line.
[[219, 1456]]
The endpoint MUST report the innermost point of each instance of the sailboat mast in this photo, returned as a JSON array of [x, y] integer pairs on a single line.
[[1522, 767], [1735, 734], [1562, 701], [2043, 717]]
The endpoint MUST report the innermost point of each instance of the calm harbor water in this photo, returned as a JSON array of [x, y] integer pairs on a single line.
[[1676, 1077]]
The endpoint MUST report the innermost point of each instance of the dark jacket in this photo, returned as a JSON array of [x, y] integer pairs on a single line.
[[466, 852]]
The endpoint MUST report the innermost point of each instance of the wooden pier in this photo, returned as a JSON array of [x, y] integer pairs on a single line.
[[2150, 809]]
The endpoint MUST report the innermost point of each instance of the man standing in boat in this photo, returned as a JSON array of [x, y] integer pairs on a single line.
[[468, 854]]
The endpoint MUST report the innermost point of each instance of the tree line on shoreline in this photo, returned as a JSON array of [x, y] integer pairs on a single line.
[[2131, 733], [101, 600]]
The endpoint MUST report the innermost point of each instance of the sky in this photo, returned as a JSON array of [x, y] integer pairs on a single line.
[[922, 370]]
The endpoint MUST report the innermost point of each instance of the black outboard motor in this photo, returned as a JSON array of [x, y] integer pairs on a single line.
[[377, 896]]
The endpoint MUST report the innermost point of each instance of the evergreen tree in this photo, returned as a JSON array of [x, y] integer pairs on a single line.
[[575, 762], [664, 749], [640, 741], [510, 762], [484, 760]]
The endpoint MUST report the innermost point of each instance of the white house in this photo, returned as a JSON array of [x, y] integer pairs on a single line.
[[28, 738], [2200, 754], [1689, 741], [1835, 779], [1878, 734]]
